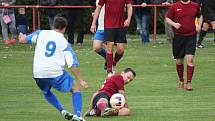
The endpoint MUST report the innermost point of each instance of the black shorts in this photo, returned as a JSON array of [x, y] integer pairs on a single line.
[[208, 13], [116, 35], [183, 45], [208, 19], [99, 96]]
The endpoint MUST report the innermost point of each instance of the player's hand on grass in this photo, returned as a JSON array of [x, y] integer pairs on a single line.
[[83, 84], [22, 38], [177, 25]]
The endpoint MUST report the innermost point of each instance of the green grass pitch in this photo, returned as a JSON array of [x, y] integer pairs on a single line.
[[152, 96]]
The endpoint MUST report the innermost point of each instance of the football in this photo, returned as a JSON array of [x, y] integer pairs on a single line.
[[117, 101]]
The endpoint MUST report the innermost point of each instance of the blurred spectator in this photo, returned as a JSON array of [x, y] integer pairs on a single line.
[[21, 21], [75, 21], [7, 18], [161, 15], [142, 16], [51, 12]]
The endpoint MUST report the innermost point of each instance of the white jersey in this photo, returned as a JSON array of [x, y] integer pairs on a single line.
[[101, 17], [51, 52]]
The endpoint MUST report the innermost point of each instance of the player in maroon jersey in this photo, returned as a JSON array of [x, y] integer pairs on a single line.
[[114, 28], [99, 104], [181, 16]]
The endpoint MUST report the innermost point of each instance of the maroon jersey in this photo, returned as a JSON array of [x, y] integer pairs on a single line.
[[185, 14], [114, 12], [112, 85]]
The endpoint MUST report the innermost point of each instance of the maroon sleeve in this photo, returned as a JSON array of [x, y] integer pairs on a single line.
[[101, 2], [170, 13], [128, 1]]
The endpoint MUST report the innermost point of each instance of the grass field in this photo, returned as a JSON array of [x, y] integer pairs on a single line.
[[152, 96]]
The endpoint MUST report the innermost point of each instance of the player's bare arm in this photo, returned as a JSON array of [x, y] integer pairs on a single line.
[[200, 20], [76, 73], [95, 18], [123, 93], [172, 23], [129, 14]]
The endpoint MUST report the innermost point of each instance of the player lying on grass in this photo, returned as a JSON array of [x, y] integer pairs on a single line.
[[100, 101], [51, 52]]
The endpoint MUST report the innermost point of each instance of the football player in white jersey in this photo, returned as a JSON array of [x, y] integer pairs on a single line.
[[98, 38], [52, 51]]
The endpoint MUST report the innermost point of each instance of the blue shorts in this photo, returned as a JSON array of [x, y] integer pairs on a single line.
[[61, 83], [99, 35]]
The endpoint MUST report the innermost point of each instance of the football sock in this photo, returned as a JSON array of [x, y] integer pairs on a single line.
[[102, 53], [117, 57], [180, 71], [77, 103], [52, 99], [190, 70], [109, 60], [201, 36], [102, 106]]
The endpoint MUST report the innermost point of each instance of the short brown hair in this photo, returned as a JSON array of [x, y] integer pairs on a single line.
[[131, 70], [60, 22]]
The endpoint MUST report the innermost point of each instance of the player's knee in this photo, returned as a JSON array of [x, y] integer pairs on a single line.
[[124, 112], [75, 89], [96, 49], [205, 26], [213, 24], [190, 61], [180, 61], [120, 51], [102, 100], [109, 50]]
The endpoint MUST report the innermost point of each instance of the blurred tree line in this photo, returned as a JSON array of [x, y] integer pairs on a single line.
[[87, 17]]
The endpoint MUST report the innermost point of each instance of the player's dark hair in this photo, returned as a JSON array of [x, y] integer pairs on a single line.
[[131, 70], [60, 22]]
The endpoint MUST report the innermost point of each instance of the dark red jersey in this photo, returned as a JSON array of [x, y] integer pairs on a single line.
[[114, 12], [112, 85], [185, 14]]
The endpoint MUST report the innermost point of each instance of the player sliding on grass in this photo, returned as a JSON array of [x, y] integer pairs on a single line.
[[100, 105], [51, 52]]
